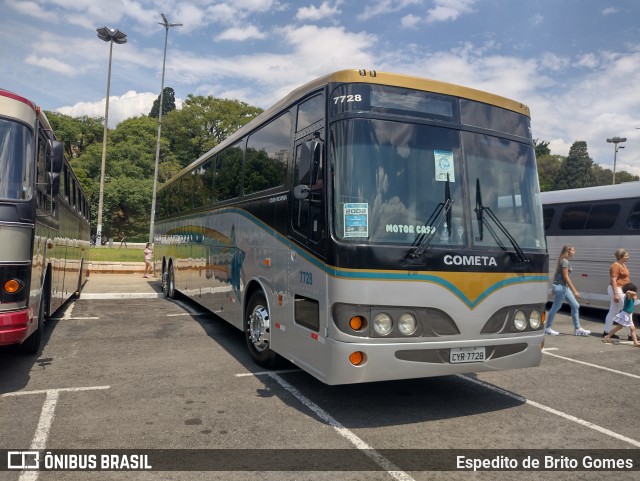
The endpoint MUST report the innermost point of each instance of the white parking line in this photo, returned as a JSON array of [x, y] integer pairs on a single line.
[[622, 373], [349, 435], [67, 315], [548, 409], [46, 419]]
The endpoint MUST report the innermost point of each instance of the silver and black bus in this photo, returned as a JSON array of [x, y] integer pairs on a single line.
[[354, 229], [44, 223]]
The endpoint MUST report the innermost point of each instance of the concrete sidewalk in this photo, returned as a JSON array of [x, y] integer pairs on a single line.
[[120, 286]]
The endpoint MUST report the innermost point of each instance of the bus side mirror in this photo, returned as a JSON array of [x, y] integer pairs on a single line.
[[55, 157], [301, 192], [53, 183]]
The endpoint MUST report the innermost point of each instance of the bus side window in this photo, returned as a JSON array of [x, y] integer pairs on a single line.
[[308, 216], [548, 213], [633, 222]]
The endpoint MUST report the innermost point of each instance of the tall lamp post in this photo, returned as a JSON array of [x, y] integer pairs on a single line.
[[165, 23], [615, 141], [108, 35]]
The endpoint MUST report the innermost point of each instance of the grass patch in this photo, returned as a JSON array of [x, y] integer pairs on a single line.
[[116, 254]]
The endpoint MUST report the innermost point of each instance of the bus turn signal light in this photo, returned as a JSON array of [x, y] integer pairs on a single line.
[[356, 323], [12, 286], [357, 358]]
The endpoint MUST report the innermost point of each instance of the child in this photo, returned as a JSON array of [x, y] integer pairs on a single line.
[[147, 260], [624, 318]]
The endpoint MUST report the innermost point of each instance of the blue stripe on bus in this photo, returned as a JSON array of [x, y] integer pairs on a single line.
[[351, 274]]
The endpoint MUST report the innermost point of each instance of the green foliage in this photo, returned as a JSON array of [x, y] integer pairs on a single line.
[[548, 169], [116, 253], [168, 103], [188, 133], [576, 171], [202, 123], [542, 148], [76, 133]]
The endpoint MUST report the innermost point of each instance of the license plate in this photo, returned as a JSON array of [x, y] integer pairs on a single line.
[[466, 354]]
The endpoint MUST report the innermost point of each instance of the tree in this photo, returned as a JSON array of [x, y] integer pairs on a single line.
[[542, 148], [168, 103], [577, 170], [548, 168], [202, 123]]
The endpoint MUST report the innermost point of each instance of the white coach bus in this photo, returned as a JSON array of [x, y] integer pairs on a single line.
[[354, 229], [597, 221]]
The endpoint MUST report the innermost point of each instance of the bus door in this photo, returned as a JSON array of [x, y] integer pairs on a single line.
[[306, 284]]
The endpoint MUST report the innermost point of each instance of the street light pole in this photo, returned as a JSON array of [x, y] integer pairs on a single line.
[[615, 141], [108, 35], [165, 23]]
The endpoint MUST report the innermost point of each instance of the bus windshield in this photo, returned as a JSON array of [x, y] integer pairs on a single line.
[[16, 161], [390, 177]]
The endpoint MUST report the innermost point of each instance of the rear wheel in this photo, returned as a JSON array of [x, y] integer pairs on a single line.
[[257, 327], [168, 283]]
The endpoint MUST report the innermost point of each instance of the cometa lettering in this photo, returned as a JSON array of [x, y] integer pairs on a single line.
[[456, 260]]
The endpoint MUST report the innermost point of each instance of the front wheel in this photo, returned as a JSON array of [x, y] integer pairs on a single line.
[[257, 328]]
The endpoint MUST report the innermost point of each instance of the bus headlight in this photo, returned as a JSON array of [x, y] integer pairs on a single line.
[[382, 323], [520, 321], [407, 324], [535, 319]]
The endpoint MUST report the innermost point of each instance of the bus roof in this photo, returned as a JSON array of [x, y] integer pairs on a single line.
[[364, 76], [11, 95], [602, 192]]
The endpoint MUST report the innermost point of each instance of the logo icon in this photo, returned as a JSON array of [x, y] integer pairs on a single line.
[[23, 460]]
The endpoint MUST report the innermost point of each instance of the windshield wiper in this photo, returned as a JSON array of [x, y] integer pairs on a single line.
[[480, 211], [442, 211]]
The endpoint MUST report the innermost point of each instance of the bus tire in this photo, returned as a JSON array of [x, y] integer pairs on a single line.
[[31, 345], [257, 329], [169, 285]]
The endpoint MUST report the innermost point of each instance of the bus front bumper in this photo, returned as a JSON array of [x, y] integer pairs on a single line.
[[394, 361], [14, 326]]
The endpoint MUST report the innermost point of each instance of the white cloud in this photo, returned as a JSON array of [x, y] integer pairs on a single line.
[[449, 10], [537, 19], [316, 13], [131, 104], [52, 64], [383, 7], [552, 61], [240, 34], [32, 9], [609, 11], [410, 21]]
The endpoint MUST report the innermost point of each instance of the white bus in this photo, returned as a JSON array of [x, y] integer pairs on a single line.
[[354, 229], [44, 223], [597, 221]]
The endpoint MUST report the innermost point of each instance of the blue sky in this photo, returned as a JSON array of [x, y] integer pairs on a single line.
[[576, 63]]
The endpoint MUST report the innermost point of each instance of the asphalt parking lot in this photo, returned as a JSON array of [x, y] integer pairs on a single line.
[[146, 373]]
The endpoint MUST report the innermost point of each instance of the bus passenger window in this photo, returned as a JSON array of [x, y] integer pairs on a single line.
[[574, 217], [548, 213], [633, 222], [603, 216], [310, 111]]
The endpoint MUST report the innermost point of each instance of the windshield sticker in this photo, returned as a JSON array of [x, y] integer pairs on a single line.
[[356, 220], [444, 165]]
